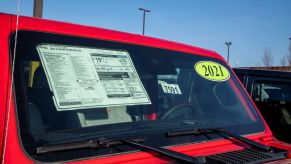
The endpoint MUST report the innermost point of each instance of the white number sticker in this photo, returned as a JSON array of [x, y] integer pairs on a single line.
[[170, 88]]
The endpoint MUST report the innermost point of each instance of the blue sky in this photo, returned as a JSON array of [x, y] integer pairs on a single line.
[[251, 25]]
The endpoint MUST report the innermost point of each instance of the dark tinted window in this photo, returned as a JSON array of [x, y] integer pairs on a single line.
[[273, 98]]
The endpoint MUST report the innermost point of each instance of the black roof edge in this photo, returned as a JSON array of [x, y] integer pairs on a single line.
[[262, 73]]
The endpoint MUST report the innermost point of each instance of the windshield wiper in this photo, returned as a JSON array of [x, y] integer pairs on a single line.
[[98, 143], [202, 131], [102, 143], [166, 152]]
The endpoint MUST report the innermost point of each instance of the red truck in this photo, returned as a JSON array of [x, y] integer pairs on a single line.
[[77, 94]]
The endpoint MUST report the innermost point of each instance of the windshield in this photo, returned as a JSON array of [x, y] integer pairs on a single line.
[[72, 89]]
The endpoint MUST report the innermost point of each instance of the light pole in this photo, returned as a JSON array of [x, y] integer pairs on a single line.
[[37, 8], [228, 45], [144, 14]]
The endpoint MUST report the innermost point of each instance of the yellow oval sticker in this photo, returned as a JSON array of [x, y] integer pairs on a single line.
[[212, 71]]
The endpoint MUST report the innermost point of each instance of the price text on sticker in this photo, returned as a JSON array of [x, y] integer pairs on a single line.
[[212, 71]]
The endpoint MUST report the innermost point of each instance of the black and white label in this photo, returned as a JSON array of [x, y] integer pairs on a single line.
[[170, 88], [83, 77]]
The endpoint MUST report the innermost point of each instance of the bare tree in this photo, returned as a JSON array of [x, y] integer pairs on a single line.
[[267, 58], [283, 61]]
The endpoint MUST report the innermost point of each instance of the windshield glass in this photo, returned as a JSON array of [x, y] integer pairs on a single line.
[[71, 89]]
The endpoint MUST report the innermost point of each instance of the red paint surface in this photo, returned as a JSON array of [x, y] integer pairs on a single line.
[[4, 51], [14, 152]]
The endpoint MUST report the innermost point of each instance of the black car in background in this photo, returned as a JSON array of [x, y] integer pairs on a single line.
[[271, 92]]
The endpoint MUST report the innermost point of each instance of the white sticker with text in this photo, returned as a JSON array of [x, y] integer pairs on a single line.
[[170, 88], [83, 77]]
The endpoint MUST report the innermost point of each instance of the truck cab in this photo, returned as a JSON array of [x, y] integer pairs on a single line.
[[77, 94], [271, 92]]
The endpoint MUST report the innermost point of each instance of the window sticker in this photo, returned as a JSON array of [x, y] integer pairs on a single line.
[[83, 77], [170, 88], [212, 71]]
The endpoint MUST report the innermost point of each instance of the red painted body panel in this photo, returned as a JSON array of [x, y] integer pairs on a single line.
[[5, 25], [14, 152]]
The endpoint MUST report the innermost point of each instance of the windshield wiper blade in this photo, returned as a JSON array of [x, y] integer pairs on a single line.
[[202, 131], [102, 143], [98, 143], [166, 152]]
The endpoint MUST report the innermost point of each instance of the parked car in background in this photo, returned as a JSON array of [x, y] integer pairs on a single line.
[[77, 94], [271, 92]]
